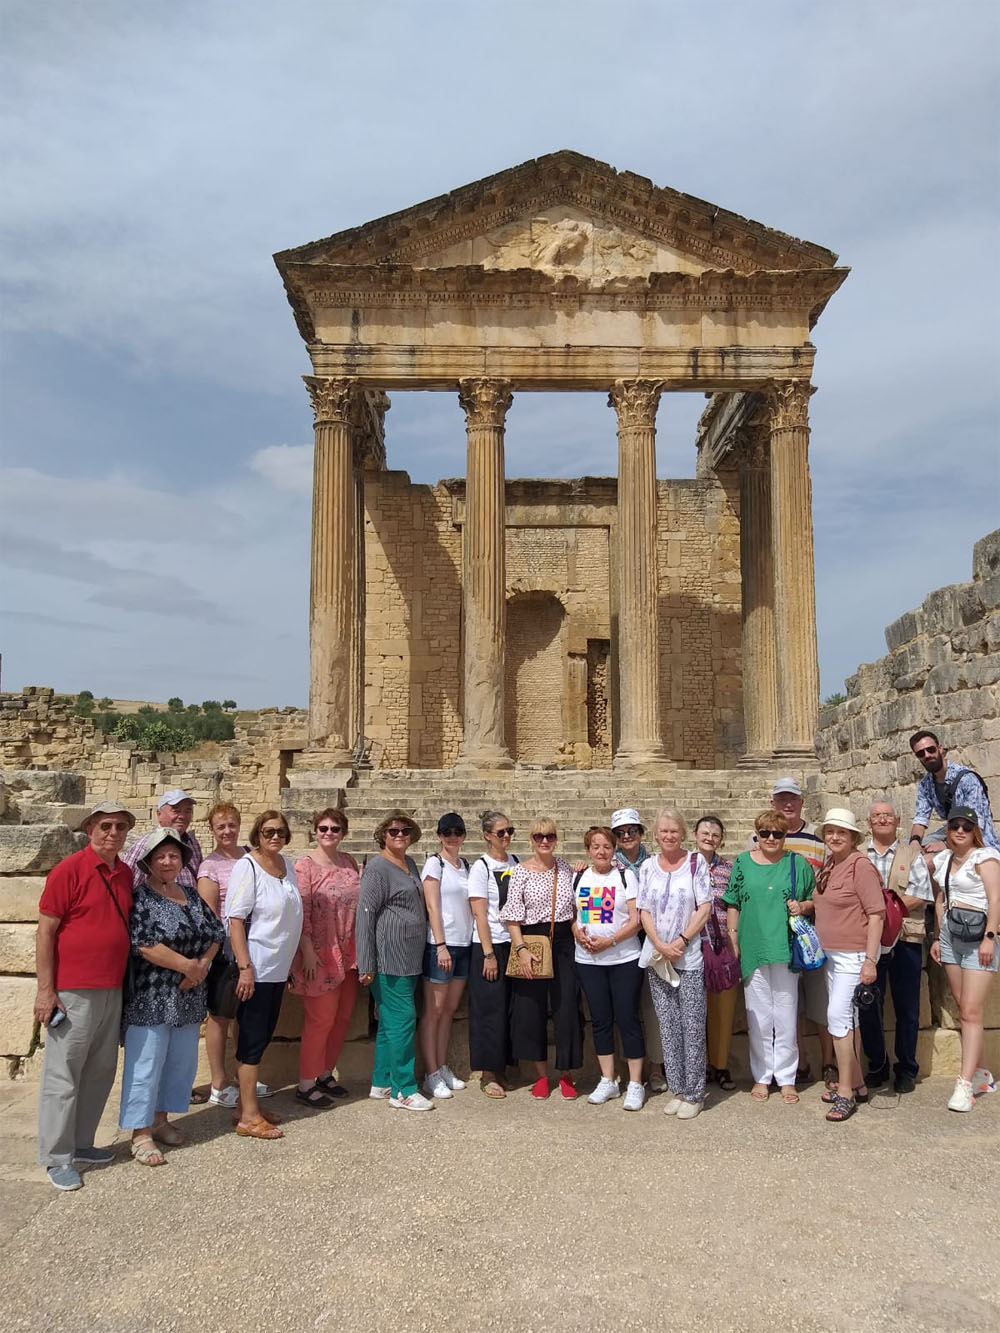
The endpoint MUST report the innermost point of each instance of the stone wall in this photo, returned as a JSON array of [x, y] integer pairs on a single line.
[[560, 545], [942, 671]]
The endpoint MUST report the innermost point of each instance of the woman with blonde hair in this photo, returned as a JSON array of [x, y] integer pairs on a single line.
[[967, 908], [675, 899], [850, 912], [540, 902], [325, 971], [213, 884], [391, 929]]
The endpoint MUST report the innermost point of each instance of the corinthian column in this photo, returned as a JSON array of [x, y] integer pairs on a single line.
[[794, 576], [333, 591], [760, 686], [639, 740], [484, 582]]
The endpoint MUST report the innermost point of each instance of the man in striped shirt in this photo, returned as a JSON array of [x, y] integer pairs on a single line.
[[175, 809]]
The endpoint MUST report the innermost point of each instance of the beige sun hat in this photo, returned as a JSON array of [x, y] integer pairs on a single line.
[[107, 808], [839, 818]]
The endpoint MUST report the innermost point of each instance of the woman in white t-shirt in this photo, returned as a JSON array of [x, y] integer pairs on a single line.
[[446, 958], [606, 931], [967, 897], [489, 992]]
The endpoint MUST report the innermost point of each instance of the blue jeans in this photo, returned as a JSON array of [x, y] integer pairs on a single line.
[[160, 1066], [901, 971]]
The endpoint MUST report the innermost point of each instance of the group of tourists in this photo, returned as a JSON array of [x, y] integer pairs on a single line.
[[140, 947]]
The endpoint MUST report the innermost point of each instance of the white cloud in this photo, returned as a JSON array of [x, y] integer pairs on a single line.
[[287, 467]]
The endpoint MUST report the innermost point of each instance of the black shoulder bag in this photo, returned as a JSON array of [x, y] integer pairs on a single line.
[[964, 923]]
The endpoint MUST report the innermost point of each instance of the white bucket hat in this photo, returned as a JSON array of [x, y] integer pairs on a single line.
[[839, 818], [623, 818]]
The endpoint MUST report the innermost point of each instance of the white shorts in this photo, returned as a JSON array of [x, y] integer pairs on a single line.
[[843, 972]]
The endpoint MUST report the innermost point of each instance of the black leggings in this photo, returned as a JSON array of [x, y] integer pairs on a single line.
[[531, 1000], [613, 999], [256, 1019], [489, 1012]]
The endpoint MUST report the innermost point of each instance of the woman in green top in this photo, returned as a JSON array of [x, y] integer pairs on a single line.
[[767, 886]]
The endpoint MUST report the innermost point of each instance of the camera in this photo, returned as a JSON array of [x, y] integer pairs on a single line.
[[864, 995]]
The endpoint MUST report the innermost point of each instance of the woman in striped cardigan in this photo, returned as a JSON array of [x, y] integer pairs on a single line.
[[390, 935]]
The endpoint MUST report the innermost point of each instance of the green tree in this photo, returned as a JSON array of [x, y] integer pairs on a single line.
[[147, 710], [229, 703], [106, 703], [85, 694], [175, 705], [211, 706], [832, 699]]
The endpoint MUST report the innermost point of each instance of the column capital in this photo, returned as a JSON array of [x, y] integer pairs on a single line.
[[636, 402], [485, 401], [334, 401], [753, 447], [788, 403]]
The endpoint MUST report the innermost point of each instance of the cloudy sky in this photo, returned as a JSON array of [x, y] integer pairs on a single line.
[[155, 433]]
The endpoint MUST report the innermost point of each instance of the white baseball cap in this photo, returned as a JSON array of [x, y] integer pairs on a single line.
[[173, 797]]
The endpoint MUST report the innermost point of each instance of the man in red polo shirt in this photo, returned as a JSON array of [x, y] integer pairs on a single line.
[[81, 952]]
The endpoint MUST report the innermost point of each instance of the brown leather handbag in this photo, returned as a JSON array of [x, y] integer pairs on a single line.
[[540, 945]]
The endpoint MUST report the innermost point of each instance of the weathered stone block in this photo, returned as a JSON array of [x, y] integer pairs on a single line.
[[35, 847], [17, 1019], [53, 786], [19, 895], [17, 949], [904, 629]]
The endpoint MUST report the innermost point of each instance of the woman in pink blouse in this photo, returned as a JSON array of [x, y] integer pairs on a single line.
[[528, 911], [213, 883], [325, 971]]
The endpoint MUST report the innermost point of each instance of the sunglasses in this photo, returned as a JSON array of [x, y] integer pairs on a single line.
[[770, 833], [274, 833], [328, 828], [629, 831], [399, 833], [544, 837], [504, 832], [926, 754], [453, 832], [107, 826], [961, 826]]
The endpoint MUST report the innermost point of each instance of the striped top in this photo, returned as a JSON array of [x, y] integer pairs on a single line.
[[392, 921]]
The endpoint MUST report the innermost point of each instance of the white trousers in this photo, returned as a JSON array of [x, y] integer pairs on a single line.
[[772, 1000]]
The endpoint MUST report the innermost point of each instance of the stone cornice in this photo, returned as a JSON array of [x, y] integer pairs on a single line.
[[691, 225]]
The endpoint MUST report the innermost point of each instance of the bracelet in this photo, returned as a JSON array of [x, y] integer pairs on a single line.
[[520, 947], [247, 968], [873, 961], [916, 838], [488, 956], [442, 945], [684, 938]]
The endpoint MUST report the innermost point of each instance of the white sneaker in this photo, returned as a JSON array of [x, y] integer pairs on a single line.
[[673, 1106], [962, 1098], [378, 1094], [224, 1096], [453, 1081], [983, 1082], [435, 1085], [264, 1091], [635, 1097], [605, 1091], [414, 1101], [657, 1083], [688, 1110]]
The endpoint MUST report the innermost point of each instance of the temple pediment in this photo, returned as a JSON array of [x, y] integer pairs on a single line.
[[567, 214]]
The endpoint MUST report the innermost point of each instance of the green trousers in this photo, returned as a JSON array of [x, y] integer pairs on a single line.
[[395, 1051]]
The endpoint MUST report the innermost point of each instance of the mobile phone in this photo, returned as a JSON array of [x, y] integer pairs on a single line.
[[56, 1017]]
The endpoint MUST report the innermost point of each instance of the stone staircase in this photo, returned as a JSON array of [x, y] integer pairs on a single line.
[[574, 798]]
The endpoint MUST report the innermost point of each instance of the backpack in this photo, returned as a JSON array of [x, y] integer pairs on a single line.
[[945, 793]]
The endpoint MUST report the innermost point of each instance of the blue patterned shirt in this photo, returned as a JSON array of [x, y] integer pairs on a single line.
[[969, 792]]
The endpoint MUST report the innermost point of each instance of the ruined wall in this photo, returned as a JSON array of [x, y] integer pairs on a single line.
[[942, 671]]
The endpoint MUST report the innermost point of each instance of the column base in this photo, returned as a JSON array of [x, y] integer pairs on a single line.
[[756, 759], [803, 752], [642, 757], [485, 757]]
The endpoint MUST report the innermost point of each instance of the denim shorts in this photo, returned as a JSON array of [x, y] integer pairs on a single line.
[[460, 956], [962, 954]]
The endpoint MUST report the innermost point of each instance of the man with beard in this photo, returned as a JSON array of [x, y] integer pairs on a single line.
[[943, 787]]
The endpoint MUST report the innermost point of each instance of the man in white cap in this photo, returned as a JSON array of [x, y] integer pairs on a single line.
[[81, 952], [802, 838], [174, 809]]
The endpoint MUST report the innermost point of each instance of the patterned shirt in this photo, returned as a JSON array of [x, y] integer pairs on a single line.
[[719, 871], [329, 910], [189, 929], [188, 876], [391, 925], [529, 898], [969, 792]]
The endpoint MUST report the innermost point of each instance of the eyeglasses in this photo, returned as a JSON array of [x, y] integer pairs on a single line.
[[328, 828], [453, 833], [961, 826], [881, 818], [926, 752], [770, 833], [544, 837], [399, 833], [116, 826], [504, 832], [274, 833], [629, 831]]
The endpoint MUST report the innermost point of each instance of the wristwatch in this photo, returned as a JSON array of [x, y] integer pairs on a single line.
[[990, 935], [491, 954]]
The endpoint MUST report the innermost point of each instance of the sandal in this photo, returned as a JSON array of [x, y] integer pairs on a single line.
[[492, 1088], [271, 1117], [314, 1097], [788, 1094], [842, 1109], [146, 1153], [259, 1129], [803, 1074], [724, 1079], [166, 1133], [760, 1092], [331, 1087], [860, 1096], [199, 1096], [830, 1076]]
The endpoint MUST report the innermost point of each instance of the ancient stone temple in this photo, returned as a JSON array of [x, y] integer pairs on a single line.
[[630, 622]]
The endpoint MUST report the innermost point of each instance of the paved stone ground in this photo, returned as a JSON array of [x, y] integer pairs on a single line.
[[518, 1215]]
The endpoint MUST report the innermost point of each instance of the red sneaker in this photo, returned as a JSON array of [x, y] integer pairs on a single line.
[[540, 1089], [567, 1089]]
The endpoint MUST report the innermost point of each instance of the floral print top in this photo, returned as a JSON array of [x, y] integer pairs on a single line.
[[189, 929], [329, 911]]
